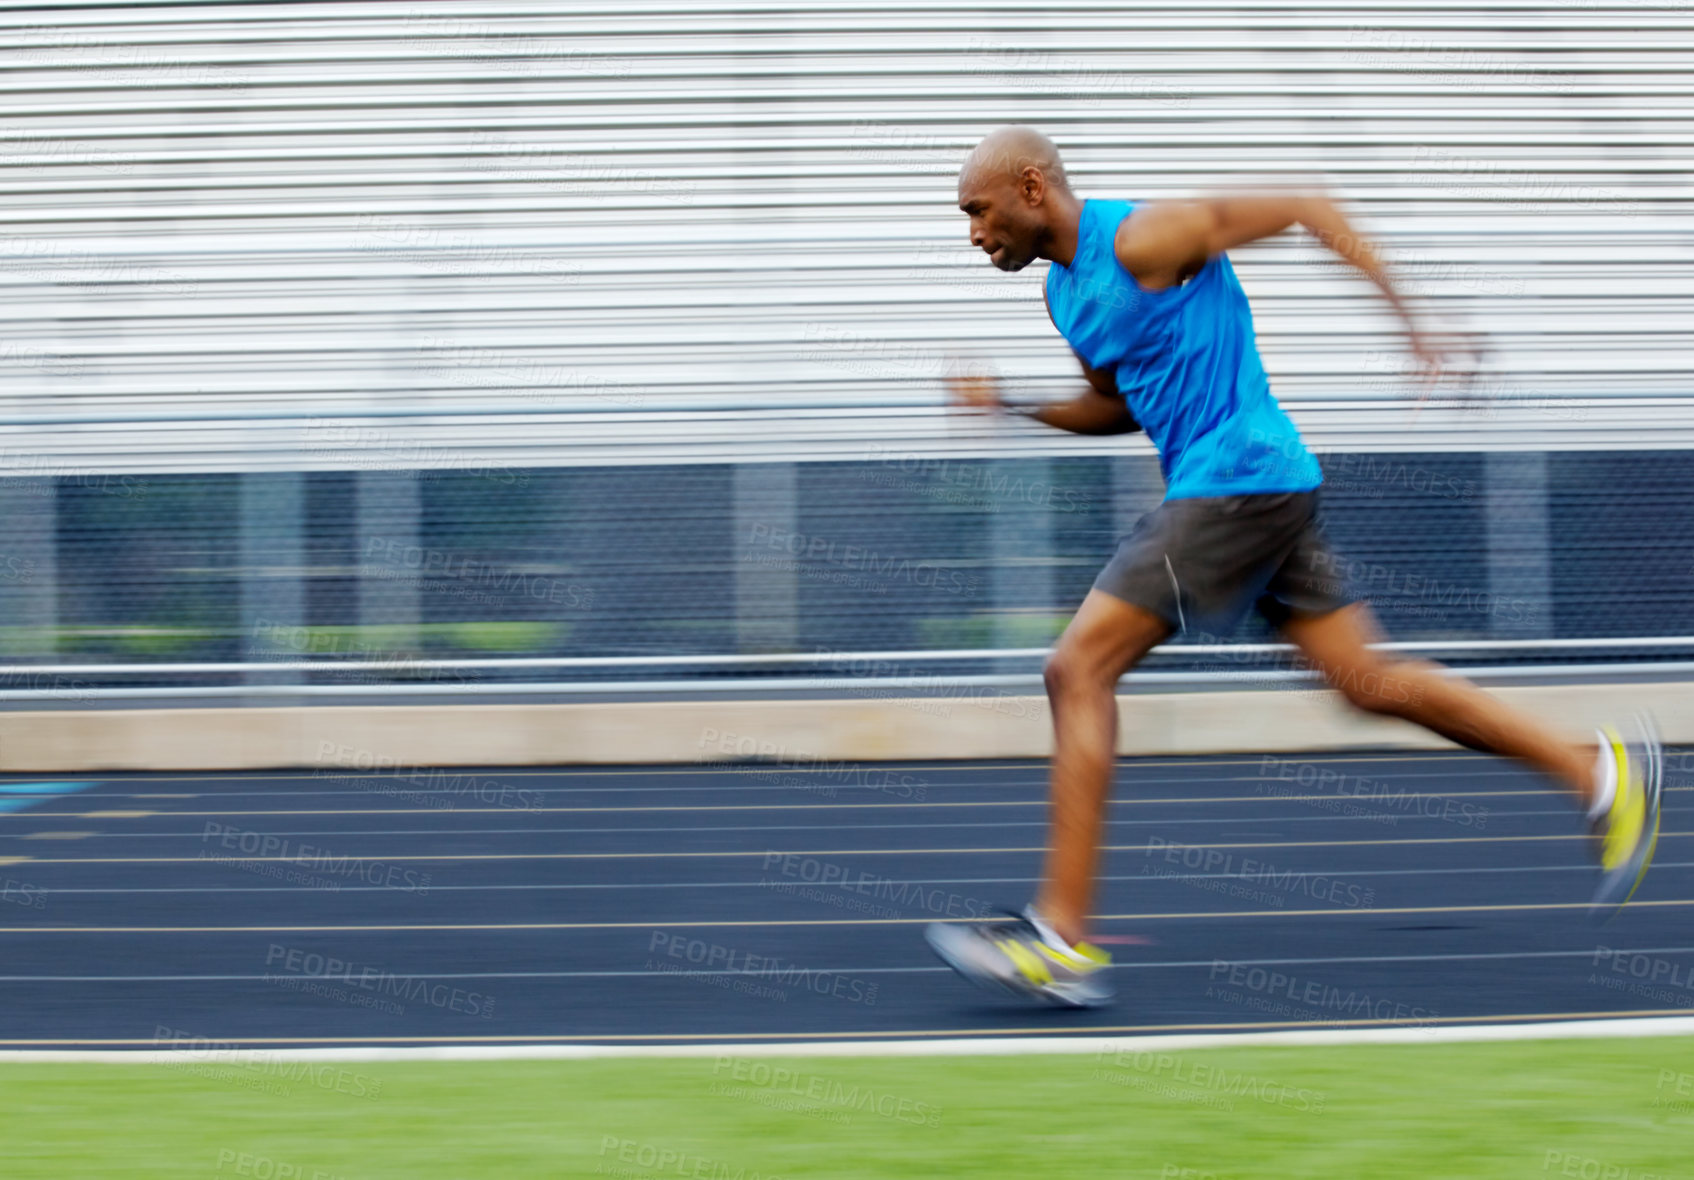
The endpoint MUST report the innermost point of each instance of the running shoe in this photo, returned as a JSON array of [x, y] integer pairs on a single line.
[[1626, 833], [1022, 955]]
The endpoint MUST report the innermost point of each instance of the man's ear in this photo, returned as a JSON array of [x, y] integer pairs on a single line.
[[1034, 185]]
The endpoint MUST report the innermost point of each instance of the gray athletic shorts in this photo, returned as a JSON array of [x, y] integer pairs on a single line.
[[1200, 564]]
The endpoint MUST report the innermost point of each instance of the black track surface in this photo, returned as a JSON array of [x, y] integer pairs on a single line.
[[654, 904]]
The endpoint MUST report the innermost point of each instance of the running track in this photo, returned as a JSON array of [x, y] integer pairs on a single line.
[[699, 903]]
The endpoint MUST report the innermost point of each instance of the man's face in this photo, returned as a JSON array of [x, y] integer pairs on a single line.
[[1005, 221]]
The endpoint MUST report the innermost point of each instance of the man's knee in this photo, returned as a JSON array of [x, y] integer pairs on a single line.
[[1059, 672], [1071, 669]]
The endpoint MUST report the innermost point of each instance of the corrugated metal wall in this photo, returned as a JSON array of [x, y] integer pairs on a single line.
[[312, 236]]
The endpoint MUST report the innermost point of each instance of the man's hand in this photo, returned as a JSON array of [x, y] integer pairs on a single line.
[[1097, 410], [1450, 358], [975, 391]]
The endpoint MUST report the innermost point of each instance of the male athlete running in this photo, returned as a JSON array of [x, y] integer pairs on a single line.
[[1148, 301]]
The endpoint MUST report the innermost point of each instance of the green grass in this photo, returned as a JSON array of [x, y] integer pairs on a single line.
[[375, 641], [987, 629], [1527, 1109], [390, 640]]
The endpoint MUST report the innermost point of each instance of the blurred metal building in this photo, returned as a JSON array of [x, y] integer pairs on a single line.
[[471, 347]]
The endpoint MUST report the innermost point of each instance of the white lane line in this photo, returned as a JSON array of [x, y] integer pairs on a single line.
[[720, 769], [1128, 781], [1034, 822], [650, 924], [1356, 800], [1133, 1047], [1180, 964], [1123, 799], [891, 883], [1037, 799], [319, 860]]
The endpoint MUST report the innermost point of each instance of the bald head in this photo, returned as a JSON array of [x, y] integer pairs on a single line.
[[1014, 189], [1006, 153]]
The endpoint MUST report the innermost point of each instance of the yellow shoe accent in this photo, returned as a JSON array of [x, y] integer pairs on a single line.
[[1652, 838], [1652, 843], [1628, 811], [1033, 968], [1083, 956]]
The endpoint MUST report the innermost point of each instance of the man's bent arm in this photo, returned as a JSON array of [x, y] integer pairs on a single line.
[[1163, 242], [1101, 409], [1091, 413]]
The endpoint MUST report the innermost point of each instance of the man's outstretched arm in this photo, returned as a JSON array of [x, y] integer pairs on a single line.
[[1164, 242]]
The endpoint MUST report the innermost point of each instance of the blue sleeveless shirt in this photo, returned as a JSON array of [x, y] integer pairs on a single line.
[[1186, 363]]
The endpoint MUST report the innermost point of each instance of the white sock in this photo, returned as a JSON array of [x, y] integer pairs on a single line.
[[1605, 779]]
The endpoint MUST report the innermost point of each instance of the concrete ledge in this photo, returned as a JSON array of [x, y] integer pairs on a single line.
[[796, 732]]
